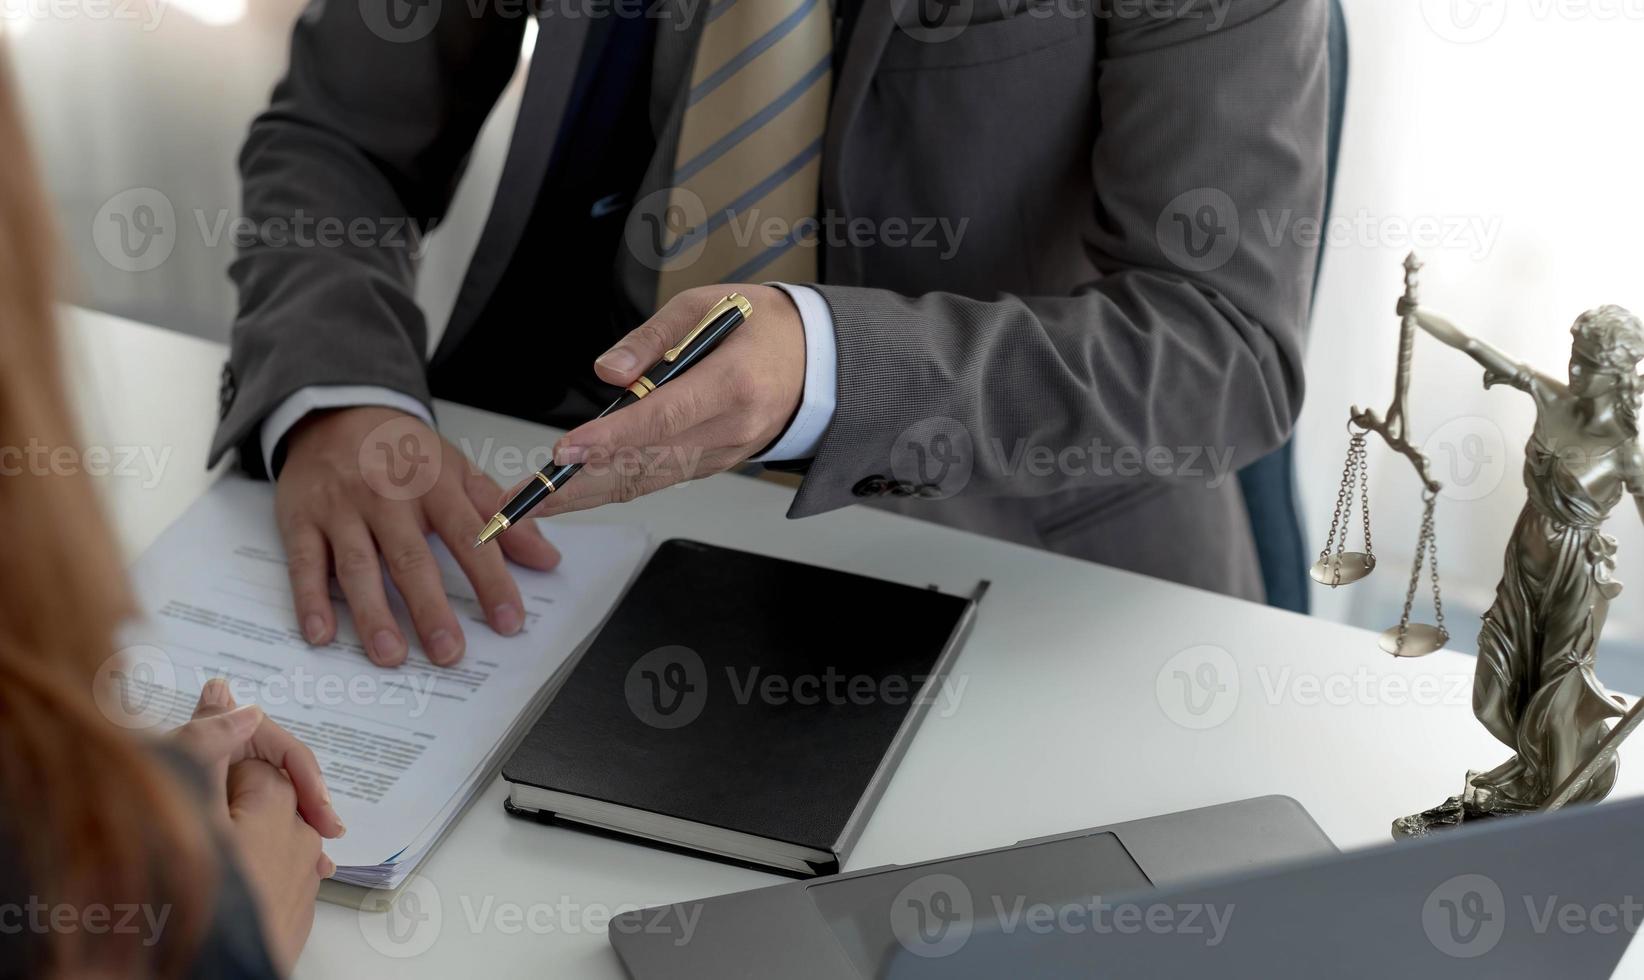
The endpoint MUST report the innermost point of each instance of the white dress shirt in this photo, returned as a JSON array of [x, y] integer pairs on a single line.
[[799, 441]]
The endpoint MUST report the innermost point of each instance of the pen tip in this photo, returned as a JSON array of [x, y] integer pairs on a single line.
[[497, 525]]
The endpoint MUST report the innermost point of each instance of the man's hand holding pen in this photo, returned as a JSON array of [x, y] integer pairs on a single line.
[[334, 520], [725, 409]]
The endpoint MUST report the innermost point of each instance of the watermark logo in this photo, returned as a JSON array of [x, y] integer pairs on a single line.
[[410, 926], [935, 21], [135, 230], [667, 228], [935, 456], [1198, 688], [1469, 457], [400, 21], [401, 459], [668, 687], [134, 688], [1199, 230], [933, 916], [510, 463], [1464, 21], [1465, 916]]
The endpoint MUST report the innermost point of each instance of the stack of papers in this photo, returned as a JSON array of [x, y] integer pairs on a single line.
[[404, 749]]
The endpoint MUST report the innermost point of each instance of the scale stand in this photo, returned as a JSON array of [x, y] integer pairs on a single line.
[[1480, 798], [1336, 566]]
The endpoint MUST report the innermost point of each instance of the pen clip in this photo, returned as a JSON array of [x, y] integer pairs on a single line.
[[735, 301]]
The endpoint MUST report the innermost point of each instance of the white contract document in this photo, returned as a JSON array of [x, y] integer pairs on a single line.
[[403, 748]]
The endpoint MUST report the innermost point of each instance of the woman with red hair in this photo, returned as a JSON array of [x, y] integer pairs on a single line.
[[198, 856]]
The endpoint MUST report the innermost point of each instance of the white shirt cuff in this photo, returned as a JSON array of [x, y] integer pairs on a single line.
[[800, 441], [821, 397], [315, 398]]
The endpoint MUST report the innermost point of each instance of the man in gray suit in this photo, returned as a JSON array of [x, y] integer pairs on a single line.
[[1027, 267]]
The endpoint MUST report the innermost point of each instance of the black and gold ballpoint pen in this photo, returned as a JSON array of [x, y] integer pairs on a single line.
[[726, 315]]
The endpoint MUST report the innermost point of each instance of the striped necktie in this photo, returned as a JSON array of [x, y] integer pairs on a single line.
[[748, 167]]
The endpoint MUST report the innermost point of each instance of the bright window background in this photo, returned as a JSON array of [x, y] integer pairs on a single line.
[[1508, 126], [1500, 136]]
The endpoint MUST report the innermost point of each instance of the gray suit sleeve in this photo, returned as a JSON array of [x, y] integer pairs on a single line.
[[356, 158], [1177, 341]]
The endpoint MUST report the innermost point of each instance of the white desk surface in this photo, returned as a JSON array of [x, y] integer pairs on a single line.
[[1072, 715]]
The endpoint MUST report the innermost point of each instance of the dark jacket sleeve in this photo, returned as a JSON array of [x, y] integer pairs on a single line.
[[231, 948], [356, 158], [1214, 133]]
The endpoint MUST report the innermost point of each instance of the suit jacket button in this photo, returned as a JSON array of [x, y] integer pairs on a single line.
[[872, 486]]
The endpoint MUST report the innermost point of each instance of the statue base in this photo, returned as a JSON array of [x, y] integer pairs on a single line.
[[1475, 803]]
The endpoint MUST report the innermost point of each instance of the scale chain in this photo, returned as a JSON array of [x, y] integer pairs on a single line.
[[1364, 493], [1394, 428], [1341, 502], [1426, 553], [1353, 471], [1433, 572]]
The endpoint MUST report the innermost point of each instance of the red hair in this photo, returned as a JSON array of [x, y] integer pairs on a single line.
[[102, 822]]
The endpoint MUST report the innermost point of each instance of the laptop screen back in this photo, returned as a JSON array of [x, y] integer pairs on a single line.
[[1532, 897], [928, 911]]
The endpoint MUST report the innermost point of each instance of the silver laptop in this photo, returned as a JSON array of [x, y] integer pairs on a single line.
[[1548, 895], [860, 924]]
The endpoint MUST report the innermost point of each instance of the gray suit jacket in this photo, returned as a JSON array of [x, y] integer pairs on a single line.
[[1065, 248]]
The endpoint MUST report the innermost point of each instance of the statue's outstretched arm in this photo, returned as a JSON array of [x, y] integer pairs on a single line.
[[1498, 365]]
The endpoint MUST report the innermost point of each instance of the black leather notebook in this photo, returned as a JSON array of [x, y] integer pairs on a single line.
[[744, 707]]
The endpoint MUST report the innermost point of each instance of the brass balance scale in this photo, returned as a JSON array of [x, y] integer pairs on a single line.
[[1336, 565]]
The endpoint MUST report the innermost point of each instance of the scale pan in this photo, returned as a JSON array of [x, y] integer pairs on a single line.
[[1343, 569], [1420, 639]]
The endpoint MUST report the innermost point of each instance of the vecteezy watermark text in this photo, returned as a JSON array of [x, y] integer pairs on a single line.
[[1468, 915], [137, 230], [419, 915], [144, 463], [146, 14], [944, 234], [40, 917], [1202, 229], [938, 457], [1472, 21], [934, 915], [1201, 687], [1097, 458], [670, 686], [670, 228], [936, 21]]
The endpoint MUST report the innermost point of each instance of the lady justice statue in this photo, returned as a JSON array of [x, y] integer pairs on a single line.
[[1535, 688]]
